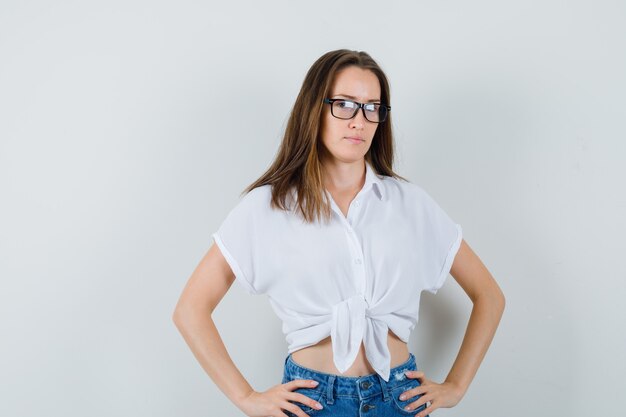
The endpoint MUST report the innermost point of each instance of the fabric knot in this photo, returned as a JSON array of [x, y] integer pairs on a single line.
[[353, 323]]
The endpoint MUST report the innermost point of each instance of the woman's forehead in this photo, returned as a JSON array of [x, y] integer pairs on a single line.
[[356, 84]]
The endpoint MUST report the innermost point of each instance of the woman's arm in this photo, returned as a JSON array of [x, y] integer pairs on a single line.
[[206, 287], [469, 271], [488, 299]]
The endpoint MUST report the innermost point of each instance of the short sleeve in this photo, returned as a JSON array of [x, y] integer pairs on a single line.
[[238, 240], [443, 239]]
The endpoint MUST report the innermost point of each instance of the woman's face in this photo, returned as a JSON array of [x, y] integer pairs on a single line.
[[356, 84]]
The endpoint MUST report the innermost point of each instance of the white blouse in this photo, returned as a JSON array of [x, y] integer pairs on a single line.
[[354, 278]]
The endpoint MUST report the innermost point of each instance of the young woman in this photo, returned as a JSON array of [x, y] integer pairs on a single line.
[[343, 246]]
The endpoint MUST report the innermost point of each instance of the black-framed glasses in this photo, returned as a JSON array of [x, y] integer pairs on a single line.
[[346, 109]]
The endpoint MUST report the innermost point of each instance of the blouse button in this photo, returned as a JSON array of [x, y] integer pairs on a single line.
[[358, 261]]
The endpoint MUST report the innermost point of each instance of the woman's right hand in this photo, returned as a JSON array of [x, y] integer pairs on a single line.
[[272, 402]]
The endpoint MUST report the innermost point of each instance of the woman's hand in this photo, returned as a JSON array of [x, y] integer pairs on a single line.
[[272, 402], [444, 395]]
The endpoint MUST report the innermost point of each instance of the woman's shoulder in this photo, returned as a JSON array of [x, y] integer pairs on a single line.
[[258, 202], [400, 189], [413, 197], [259, 192], [257, 198]]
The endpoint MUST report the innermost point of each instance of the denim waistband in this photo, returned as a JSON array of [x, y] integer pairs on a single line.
[[361, 387]]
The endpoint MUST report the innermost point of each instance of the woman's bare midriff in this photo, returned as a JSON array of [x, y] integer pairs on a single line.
[[319, 357]]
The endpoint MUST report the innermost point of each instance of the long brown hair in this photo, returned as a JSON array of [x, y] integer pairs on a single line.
[[297, 163]]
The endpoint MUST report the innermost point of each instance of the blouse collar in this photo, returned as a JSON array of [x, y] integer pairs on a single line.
[[373, 180]]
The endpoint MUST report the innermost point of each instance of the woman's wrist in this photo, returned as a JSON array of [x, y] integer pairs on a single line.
[[458, 388]]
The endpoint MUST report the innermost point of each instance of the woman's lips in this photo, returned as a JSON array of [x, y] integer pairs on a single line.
[[354, 140]]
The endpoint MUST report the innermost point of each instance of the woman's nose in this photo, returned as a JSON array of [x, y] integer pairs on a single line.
[[358, 120]]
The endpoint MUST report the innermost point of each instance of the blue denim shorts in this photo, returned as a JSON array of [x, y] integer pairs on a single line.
[[345, 396]]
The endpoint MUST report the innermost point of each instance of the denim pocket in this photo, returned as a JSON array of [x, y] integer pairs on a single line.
[[315, 395], [396, 391]]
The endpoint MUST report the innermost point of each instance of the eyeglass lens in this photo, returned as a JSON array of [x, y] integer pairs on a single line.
[[346, 109]]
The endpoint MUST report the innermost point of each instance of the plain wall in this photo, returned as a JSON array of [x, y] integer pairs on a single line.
[[128, 130]]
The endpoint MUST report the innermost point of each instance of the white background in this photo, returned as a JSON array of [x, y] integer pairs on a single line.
[[128, 130]]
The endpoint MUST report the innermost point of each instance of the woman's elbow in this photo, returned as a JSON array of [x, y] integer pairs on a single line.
[[497, 299], [178, 316], [492, 296], [501, 301], [182, 314]]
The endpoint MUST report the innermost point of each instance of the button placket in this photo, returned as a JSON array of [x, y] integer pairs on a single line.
[[367, 407], [366, 385], [353, 210], [354, 246], [359, 270]]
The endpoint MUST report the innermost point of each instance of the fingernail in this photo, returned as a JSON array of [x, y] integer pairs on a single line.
[[318, 406], [314, 383], [407, 373], [402, 397]]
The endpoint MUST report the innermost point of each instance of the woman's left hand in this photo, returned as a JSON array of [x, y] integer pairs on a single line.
[[445, 395]]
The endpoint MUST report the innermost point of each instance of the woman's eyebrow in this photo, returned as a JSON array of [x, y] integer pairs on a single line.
[[354, 98]]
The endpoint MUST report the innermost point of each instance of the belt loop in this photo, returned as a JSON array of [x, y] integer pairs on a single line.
[[329, 390], [383, 385]]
